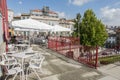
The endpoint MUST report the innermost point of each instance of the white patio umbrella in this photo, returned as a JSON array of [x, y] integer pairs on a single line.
[[31, 24], [19, 29], [58, 28]]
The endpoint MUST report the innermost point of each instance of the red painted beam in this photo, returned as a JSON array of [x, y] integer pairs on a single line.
[[3, 9]]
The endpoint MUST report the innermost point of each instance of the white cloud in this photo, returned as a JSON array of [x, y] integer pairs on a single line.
[[61, 14], [110, 16], [20, 2], [79, 2]]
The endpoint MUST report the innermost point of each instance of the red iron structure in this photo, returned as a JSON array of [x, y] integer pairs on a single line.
[[71, 48], [3, 10]]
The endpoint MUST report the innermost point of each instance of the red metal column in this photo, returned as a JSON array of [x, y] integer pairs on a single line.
[[48, 42], [96, 61], [4, 20], [0, 6], [56, 43]]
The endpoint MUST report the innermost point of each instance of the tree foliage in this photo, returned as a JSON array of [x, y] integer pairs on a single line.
[[92, 31], [77, 25]]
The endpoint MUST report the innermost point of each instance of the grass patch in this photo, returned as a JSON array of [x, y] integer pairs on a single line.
[[109, 59]]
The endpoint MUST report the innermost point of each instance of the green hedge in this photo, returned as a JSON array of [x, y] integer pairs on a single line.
[[109, 59]]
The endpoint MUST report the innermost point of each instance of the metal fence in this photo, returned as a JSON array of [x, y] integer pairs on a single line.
[[71, 48]]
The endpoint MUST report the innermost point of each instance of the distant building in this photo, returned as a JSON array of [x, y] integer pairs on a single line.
[[66, 23], [17, 18], [10, 15], [45, 15], [25, 16], [113, 36], [111, 41], [112, 27], [118, 37]]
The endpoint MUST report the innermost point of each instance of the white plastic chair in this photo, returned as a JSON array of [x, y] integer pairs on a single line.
[[10, 71], [29, 49], [12, 48], [6, 56], [11, 61], [36, 56], [35, 65]]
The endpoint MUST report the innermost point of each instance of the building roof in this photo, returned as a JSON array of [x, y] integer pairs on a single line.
[[38, 10], [118, 31], [25, 14], [64, 21], [17, 17], [52, 12]]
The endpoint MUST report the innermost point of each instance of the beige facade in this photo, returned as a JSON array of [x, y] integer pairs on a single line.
[[10, 15], [17, 18], [67, 23], [47, 16], [46, 19], [25, 16], [118, 37]]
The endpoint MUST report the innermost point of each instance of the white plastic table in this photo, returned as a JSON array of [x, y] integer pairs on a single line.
[[23, 56], [22, 46]]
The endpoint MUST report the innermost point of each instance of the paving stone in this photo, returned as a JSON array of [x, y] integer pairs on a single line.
[[90, 74], [108, 78], [54, 77], [111, 70]]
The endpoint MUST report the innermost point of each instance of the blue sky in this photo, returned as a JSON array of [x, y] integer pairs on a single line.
[[106, 10]]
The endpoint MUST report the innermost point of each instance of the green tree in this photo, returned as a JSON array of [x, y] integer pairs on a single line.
[[76, 31], [92, 30]]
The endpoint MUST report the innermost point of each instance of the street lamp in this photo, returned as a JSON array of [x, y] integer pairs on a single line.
[[78, 21], [78, 28]]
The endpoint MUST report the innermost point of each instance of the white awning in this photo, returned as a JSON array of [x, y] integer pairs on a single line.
[[20, 29], [31, 24], [58, 28]]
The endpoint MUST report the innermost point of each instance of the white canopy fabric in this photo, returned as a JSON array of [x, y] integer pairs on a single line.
[[20, 29], [31, 24], [58, 28]]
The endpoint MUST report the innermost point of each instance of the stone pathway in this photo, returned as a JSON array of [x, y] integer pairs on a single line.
[[112, 71], [58, 67]]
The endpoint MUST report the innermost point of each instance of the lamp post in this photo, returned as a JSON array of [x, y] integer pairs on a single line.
[[78, 28], [78, 21]]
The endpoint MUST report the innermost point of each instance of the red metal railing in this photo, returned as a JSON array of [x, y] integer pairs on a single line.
[[71, 48]]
